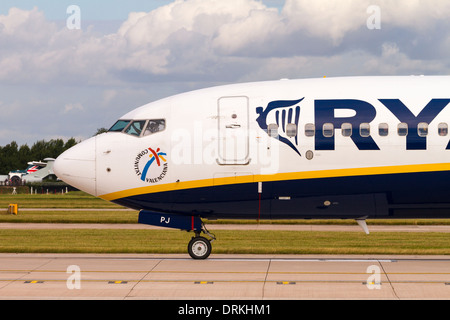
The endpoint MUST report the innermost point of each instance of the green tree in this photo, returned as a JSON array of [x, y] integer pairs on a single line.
[[14, 158], [100, 131], [9, 154], [70, 143]]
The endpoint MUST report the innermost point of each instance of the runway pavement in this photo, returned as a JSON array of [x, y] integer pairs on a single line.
[[222, 277]]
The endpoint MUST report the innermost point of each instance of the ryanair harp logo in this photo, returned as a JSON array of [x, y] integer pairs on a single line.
[[285, 114], [151, 165]]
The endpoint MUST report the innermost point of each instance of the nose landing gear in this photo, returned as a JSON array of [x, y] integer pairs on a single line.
[[199, 247]]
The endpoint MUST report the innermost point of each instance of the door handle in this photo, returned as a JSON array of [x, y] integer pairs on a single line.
[[233, 126]]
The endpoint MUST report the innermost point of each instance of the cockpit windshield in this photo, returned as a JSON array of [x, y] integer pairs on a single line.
[[139, 128], [135, 128], [119, 126]]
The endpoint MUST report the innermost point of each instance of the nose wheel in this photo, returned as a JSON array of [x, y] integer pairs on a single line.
[[199, 247]]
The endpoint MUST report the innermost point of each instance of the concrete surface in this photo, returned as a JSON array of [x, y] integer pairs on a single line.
[[235, 277]]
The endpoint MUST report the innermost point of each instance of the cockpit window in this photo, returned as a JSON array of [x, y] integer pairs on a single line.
[[135, 128], [139, 128], [154, 126], [119, 126]]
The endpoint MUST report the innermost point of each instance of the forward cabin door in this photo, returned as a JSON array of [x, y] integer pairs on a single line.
[[233, 122]]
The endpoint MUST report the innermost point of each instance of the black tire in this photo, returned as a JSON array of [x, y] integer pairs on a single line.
[[199, 248]]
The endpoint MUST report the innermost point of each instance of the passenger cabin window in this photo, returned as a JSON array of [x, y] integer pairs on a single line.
[[383, 129], [119, 126], [273, 130], [402, 129], [328, 130], [291, 130], [310, 130], [346, 129], [422, 129], [443, 129], [364, 130]]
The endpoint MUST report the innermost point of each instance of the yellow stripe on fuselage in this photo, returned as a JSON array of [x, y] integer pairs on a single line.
[[436, 167]]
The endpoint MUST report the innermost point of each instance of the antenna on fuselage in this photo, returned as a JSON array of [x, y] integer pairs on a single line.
[[363, 224]]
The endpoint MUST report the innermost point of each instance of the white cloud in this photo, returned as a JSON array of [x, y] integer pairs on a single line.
[[389, 50], [204, 39], [29, 27], [73, 107], [199, 16], [415, 14], [326, 18], [258, 27], [394, 61], [109, 95]]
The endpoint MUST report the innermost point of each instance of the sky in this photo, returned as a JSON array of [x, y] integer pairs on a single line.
[[61, 81]]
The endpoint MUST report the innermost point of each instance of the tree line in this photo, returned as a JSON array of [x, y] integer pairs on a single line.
[[13, 157]]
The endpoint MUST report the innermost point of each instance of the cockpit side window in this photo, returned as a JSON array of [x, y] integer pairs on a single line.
[[154, 126], [135, 128], [119, 126]]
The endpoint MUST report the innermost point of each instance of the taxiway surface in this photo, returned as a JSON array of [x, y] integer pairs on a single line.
[[256, 277]]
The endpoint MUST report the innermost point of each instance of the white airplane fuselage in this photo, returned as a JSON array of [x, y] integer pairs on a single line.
[[357, 147]]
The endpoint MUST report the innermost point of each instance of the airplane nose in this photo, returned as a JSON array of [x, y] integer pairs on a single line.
[[76, 166]]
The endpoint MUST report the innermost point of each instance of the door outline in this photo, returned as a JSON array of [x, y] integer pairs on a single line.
[[227, 126]]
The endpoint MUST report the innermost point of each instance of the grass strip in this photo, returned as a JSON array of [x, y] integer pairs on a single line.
[[72, 216], [250, 242], [70, 200], [81, 200]]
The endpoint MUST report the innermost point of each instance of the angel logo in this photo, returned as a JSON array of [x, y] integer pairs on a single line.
[[286, 114], [153, 164]]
